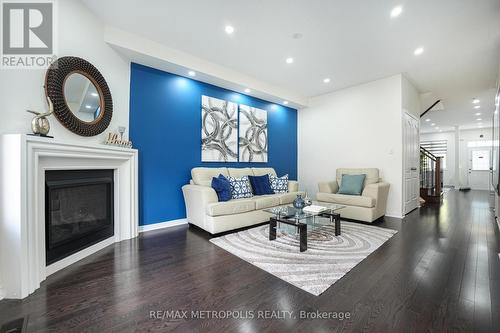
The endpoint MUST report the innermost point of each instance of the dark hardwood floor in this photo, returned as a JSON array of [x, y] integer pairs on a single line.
[[441, 272]]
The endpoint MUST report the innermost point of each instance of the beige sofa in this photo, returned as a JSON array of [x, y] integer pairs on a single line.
[[368, 207], [205, 211]]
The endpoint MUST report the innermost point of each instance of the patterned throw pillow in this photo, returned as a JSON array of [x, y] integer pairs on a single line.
[[279, 184], [240, 187]]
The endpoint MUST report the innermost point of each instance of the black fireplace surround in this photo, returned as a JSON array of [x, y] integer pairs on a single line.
[[78, 210]]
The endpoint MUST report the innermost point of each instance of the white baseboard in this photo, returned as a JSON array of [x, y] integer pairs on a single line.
[[65, 262], [395, 216], [161, 225]]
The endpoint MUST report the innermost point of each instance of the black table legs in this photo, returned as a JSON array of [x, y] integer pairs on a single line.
[[303, 236], [336, 218], [273, 221], [272, 229], [302, 233]]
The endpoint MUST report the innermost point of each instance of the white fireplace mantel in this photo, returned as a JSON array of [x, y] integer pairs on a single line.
[[23, 162]]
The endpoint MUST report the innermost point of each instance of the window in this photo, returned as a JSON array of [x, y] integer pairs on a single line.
[[480, 160], [481, 143]]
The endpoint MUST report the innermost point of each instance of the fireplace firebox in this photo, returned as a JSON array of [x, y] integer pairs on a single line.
[[78, 210]]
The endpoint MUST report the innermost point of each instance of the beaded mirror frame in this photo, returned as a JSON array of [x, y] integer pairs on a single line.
[[55, 79]]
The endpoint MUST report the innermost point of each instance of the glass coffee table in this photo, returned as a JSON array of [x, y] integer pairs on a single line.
[[305, 222]]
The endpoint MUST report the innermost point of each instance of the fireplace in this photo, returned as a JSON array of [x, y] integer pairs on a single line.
[[78, 210], [24, 162]]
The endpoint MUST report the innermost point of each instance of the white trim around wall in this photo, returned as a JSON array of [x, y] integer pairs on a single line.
[[395, 216], [162, 225]]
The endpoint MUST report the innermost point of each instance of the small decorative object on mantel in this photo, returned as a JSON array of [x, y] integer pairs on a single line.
[[40, 124], [121, 130], [116, 139]]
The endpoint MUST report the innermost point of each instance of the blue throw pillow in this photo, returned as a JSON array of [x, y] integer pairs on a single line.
[[260, 185], [222, 187], [352, 184]]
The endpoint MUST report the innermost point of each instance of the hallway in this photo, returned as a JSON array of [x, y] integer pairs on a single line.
[[459, 271]]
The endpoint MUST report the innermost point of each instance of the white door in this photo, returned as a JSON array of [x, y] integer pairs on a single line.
[[479, 168], [411, 158]]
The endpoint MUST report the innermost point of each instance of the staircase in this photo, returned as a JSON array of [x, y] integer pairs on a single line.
[[431, 177]]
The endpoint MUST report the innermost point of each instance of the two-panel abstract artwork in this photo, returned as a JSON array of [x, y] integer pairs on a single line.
[[220, 126]]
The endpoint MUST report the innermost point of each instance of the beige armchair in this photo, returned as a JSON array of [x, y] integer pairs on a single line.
[[368, 206]]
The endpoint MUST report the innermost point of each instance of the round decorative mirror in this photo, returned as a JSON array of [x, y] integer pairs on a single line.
[[81, 97]]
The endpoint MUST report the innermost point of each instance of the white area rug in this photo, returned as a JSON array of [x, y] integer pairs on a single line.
[[327, 259]]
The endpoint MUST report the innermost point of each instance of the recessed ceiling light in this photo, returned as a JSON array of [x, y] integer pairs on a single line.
[[433, 124], [192, 73], [289, 60], [396, 11], [428, 119], [477, 107], [229, 29], [418, 51], [475, 101], [478, 114], [94, 94], [285, 102], [440, 130], [248, 91], [326, 80], [88, 106], [478, 119]]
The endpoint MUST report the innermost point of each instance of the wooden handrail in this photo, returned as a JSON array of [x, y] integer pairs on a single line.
[[430, 108], [428, 153]]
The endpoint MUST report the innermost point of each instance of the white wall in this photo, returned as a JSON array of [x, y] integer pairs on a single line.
[[80, 34], [464, 136], [411, 101], [359, 126]]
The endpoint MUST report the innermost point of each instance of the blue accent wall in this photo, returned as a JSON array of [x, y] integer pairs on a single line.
[[165, 125]]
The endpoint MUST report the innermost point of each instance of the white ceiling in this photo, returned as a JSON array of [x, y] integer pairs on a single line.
[[348, 41]]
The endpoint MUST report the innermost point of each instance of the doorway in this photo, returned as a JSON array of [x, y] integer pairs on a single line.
[[411, 158], [479, 173]]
